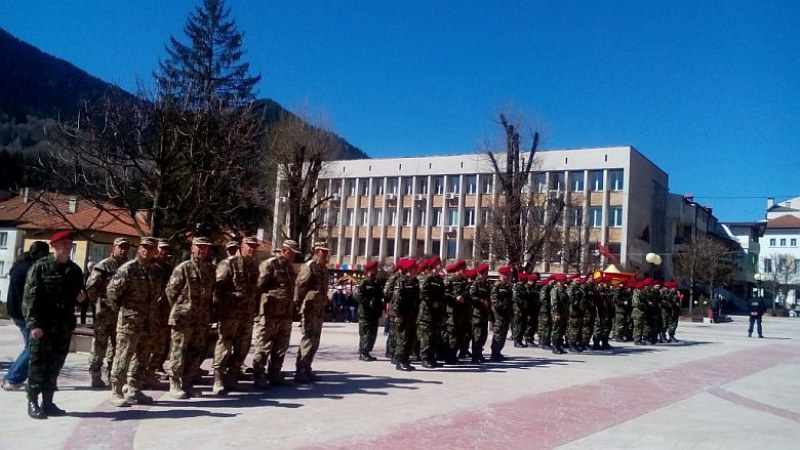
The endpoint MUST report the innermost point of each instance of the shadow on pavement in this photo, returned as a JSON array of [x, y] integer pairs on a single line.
[[143, 414]]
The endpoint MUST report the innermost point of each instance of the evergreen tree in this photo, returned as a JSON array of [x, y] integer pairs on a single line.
[[207, 69]]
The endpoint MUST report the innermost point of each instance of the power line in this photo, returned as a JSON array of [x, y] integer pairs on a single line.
[[740, 197]]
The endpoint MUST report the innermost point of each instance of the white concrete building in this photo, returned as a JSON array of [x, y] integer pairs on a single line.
[[383, 209], [11, 240], [780, 249]]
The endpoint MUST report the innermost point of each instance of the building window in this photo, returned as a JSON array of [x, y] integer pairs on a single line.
[[422, 220], [377, 185], [615, 216], [351, 188], [376, 246], [452, 216], [362, 247], [420, 247], [364, 188], [393, 217], [333, 219], [471, 184], [576, 217], [422, 186], [767, 265], [469, 217], [772, 242], [467, 248], [616, 179], [406, 217], [323, 217], [378, 219], [793, 242], [333, 244], [596, 216], [348, 246], [487, 186], [2, 268], [437, 217], [405, 247], [3, 239], [364, 217], [453, 184], [557, 180], [783, 242], [539, 182], [436, 247], [486, 217], [350, 217], [407, 186], [322, 188], [596, 180], [391, 186], [438, 185], [451, 248], [336, 187], [538, 215], [390, 247], [576, 181]]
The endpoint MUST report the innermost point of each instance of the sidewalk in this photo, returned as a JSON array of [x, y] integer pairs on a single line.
[[715, 389]]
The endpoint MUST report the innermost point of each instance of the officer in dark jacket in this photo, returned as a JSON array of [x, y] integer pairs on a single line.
[[369, 296], [53, 287]]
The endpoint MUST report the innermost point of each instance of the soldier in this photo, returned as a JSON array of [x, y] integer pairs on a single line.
[[388, 295], [502, 309], [276, 279], [160, 343], [406, 296], [639, 303], [133, 293], [456, 297], [621, 297], [559, 307], [520, 315], [232, 248], [545, 316], [604, 321], [311, 297], [652, 312], [369, 296], [532, 320], [235, 296], [665, 307], [589, 305], [675, 299], [480, 294], [190, 292], [576, 314], [105, 323], [53, 286], [431, 309]]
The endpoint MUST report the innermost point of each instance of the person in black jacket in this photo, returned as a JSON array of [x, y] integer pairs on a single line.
[[757, 310], [18, 372]]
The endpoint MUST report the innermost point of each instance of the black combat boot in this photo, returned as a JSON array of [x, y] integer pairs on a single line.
[[49, 407], [673, 338], [520, 344], [404, 366], [428, 363], [34, 411], [604, 345]]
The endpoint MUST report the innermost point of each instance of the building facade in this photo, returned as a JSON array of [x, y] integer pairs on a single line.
[[386, 209], [780, 250]]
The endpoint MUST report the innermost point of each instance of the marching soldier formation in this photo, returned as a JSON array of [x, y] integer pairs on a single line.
[[148, 312]]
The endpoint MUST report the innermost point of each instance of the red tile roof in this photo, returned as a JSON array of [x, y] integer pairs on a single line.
[[787, 221], [50, 211]]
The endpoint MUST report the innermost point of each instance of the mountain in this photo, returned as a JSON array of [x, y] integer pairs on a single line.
[[38, 88]]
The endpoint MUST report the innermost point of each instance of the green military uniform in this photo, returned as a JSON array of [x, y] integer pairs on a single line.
[[311, 297], [404, 306], [621, 298], [674, 298], [456, 297], [502, 309], [559, 308], [105, 321], [159, 342], [48, 303], [430, 317], [589, 306], [274, 321], [576, 313], [190, 292], [639, 303], [134, 292], [605, 317], [235, 297], [532, 322], [388, 295], [519, 321], [545, 317], [480, 295], [369, 296]]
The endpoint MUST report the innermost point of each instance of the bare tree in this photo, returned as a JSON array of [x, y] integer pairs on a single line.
[[704, 259], [297, 151], [785, 277], [523, 226]]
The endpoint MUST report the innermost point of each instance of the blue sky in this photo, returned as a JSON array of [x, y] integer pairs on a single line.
[[708, 90]]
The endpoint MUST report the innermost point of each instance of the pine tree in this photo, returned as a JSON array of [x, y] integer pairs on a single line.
[[207, 69]]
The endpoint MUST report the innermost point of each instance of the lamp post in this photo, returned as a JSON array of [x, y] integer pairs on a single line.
[[654, 261]]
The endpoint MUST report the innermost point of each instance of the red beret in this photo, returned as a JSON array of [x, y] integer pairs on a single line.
[[647, 281], [471, 273], [523, 276], [456, 266], [406, 263], [369, 266], [505, 270], [482, 267], [558, 277], [573, 276], [423, 265], [433, 260], [533, 277], [60, 236]]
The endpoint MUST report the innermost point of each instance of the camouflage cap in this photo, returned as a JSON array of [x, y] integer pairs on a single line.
[[148, 241], [232, 244], [250, 240], [163, 243], [291, 245], [321, 245], [200, 240], [121, 241]]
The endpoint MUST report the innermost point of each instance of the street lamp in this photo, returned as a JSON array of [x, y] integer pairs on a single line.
[[654, 261]]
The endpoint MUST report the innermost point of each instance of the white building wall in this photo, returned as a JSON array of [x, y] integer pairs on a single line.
[[9, 249]]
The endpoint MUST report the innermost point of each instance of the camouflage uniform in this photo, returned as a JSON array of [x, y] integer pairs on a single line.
[[105, 322], [311, 297], [190, 292], [404, 305], [455, 286], [576, 313], [559, 307], [388, 295], [621, 297], [665, 307], [134, 292], [519, 321], [274, 321], [590, 303], [48, 303], [652, 314], [605, 318], [674, 298], [235, 296], [159, 340], [545, 317], [430, 316], [501, 298], [533, 313], [639, 302], [369, 296], [480, 295]]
